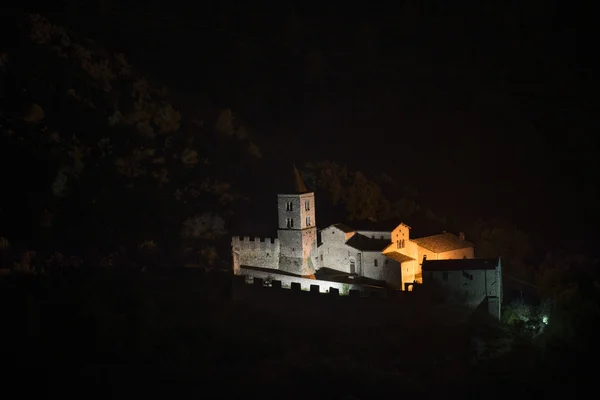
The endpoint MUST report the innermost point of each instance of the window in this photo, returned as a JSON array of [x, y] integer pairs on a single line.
[[307, 205], [289, 206], [321, 257], [290, 222], [375, 262], [398, 244], [308, 221], [402, 243], [385, 262], [445, 276]]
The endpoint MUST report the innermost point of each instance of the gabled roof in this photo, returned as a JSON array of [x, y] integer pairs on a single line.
[[394, 255], [461, 264], [344, 228], [442, 242], [364, 243]]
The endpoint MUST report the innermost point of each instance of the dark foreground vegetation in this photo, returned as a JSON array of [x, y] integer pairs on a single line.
[[106, 167], [181, 332]]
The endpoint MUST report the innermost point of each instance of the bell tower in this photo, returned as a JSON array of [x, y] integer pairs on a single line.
[[297, 231]]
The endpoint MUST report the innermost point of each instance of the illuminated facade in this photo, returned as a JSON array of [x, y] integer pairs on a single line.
[[388, 255], [294, 251], [384, 254]]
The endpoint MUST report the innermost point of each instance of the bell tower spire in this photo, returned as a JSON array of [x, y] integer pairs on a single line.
[[297, 227]]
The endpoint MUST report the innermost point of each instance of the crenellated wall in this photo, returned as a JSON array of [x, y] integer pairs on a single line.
[[255, 252], [288, 282]]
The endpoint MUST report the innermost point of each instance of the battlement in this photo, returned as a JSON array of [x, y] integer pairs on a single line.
[[300, 285], [252, 276], [256, 242], [255, 251]]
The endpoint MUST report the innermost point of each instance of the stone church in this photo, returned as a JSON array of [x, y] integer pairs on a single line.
[[384, 255]]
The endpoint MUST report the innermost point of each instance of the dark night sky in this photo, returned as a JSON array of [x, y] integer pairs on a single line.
[[485, 108]]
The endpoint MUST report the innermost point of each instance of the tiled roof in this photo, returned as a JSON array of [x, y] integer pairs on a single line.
[[364, 243], [344, 228], [394, 255], [460, 264], [442, 242]]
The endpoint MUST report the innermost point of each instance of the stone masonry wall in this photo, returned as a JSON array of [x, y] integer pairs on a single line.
[[303, 217], [255, 252], [386, 270], [334, 252], [305, 284], [475, 285]]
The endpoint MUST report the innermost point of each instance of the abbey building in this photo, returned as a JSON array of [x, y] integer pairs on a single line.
[[384, 255]]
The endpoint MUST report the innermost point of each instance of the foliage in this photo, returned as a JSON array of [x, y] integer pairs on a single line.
[[554, 279], [345, 289], [108, 151]]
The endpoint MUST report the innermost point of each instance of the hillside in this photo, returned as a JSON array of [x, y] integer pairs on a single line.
[[99, 161], [104, 165]]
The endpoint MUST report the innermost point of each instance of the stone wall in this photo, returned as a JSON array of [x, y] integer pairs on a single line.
[[303, 283], [494, 307], [334, 253], [386, 270], [474, 285], [255, 252], [402, 231], [299, 251], [298, 211], [410, 270]]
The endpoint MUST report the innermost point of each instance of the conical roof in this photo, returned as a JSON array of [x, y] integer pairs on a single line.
[[295, 184]]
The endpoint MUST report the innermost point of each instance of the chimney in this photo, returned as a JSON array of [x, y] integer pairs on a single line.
[[461, 235]]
